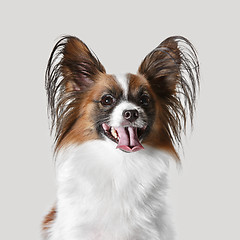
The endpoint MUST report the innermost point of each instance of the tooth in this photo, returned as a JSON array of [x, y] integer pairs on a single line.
[[113, 132]]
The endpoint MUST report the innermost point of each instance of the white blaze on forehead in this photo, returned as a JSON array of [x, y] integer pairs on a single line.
[[123, 81]]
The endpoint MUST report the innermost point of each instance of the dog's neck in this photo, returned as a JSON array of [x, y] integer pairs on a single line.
[[109, 193]]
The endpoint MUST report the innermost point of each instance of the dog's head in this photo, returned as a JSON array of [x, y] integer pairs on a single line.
[[130, 110]]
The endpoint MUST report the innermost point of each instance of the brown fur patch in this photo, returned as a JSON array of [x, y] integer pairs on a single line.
[[172, 70], [137, 81], [48, 220], [157, 137], [84, 128], [71, 71]]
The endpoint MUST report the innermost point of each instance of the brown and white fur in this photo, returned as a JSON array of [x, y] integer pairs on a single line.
[[114, 135]]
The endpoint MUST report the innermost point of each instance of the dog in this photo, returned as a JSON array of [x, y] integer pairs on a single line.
[[114, 137]]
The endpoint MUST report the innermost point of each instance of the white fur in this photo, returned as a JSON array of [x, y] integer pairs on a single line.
[[106, 194], [123, 81]]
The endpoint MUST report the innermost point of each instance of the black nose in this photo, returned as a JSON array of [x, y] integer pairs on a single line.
[[131, 115]]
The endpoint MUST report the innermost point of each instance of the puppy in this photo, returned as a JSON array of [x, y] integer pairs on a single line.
[[114, 136]]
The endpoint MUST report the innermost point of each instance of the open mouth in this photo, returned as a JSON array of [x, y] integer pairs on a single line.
[[127, 138]]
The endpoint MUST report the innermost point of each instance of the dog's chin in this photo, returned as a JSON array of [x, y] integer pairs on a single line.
[[127, 138]]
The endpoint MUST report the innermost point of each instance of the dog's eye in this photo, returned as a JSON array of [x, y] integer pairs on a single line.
[[144, 100], [107, 100]]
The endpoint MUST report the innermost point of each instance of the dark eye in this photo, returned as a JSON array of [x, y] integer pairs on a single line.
[[144, 100], [107, 100]]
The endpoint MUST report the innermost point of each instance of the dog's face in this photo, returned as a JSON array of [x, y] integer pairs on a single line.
[[119, 108], [124, 110], [128, 110]]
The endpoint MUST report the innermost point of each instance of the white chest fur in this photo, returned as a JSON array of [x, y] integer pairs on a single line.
[[106, 194]]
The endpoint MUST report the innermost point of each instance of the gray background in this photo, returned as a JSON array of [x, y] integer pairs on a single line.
[[205, 193]]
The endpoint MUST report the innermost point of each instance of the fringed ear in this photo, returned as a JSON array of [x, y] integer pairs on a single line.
[[72, 60], [172, 70], [72, 69], [161, 67], [78, 65]]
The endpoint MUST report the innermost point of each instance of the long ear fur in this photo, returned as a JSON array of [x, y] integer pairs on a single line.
[[172, 70], [71, 71]]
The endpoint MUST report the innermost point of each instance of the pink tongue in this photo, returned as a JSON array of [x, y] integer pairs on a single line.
[[128, 139]]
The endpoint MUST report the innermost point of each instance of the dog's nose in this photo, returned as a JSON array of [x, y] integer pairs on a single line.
[[131, 115]]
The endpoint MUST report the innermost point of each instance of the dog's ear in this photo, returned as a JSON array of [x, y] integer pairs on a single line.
[[72, 69], [172, 71], [161, 67], [79, 67]]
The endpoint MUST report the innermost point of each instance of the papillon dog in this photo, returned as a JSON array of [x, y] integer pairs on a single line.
[[114, 136]]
